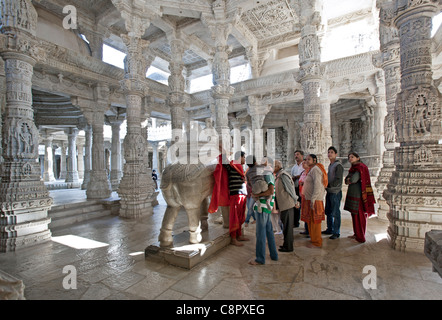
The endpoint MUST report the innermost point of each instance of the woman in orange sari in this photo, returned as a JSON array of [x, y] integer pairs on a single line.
[[314, 192]]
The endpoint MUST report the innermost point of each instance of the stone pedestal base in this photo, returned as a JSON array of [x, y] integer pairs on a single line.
[[433, 249], [24, 222], [383, 209], [186, 255], [407, 233], [134, 209], [98, 186]]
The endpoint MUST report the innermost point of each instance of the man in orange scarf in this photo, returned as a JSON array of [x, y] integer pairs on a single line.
[[314, 192]]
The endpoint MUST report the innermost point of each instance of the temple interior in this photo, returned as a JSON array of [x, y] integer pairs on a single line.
[[96, 94]]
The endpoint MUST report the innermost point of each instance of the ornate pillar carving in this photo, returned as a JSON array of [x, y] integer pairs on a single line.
[[63, 161], [345, 137], [72, 169], [257, 111], [389, 61], [115, 173], [87, 156], [48, 174], [325, 108], [24, 198], [176, 99], [154, 145], [220, 25], [414, 191], [136, 187], [80, 158], [98, 186], [311, 74]]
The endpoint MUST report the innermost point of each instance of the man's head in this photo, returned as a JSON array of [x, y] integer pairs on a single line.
[[240, 156], [299, 156], [278, 166], [332, 153]]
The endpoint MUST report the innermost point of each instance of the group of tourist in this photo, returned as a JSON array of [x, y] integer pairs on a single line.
[[266, 190]]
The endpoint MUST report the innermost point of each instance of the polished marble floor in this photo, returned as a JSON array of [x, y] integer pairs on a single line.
[[108, 258]]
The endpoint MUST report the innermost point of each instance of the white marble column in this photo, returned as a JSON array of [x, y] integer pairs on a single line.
[[154, 145], [48, 175], [24, 198], [87, 156], [258, 111], [137, 189], [414, 192], [311, 74], [115, 173], [99, 185], [72, 171], [63, 161], [389, 60], [80, 159]]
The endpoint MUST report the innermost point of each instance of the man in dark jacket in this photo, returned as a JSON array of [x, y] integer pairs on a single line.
[[334, 194]]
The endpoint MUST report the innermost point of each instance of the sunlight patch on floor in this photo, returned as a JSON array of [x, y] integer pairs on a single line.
[[77, 242]]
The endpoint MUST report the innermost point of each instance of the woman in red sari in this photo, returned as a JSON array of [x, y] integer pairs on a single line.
[[360, 199]]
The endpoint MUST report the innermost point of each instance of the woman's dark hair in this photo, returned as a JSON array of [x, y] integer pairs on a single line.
[[314, 157], [354, 153]]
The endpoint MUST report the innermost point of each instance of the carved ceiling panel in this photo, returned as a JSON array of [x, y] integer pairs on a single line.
[[271, 19]]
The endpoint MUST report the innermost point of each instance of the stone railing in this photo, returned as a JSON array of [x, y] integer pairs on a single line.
[[159, 133]]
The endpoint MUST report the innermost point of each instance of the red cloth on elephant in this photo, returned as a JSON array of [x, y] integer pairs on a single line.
[[220, 193]]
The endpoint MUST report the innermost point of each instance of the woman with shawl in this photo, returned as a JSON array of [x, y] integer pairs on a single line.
[[360, 199], [314, 192]]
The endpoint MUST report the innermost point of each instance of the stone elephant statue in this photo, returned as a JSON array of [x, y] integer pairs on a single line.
[[188, 186]]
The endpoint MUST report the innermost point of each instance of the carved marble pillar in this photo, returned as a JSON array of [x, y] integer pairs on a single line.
[[154, 145], [72, 169], [257, 111], [221, 91], [176, 99], [345, 147], [24, 199], [136, 186], [115, 173], [87, 156], [311, 74], [63, 162], [99, 185], [220, 25], [48, 174], [326, 121], [414, 192], [389, 61], [80, 159]]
